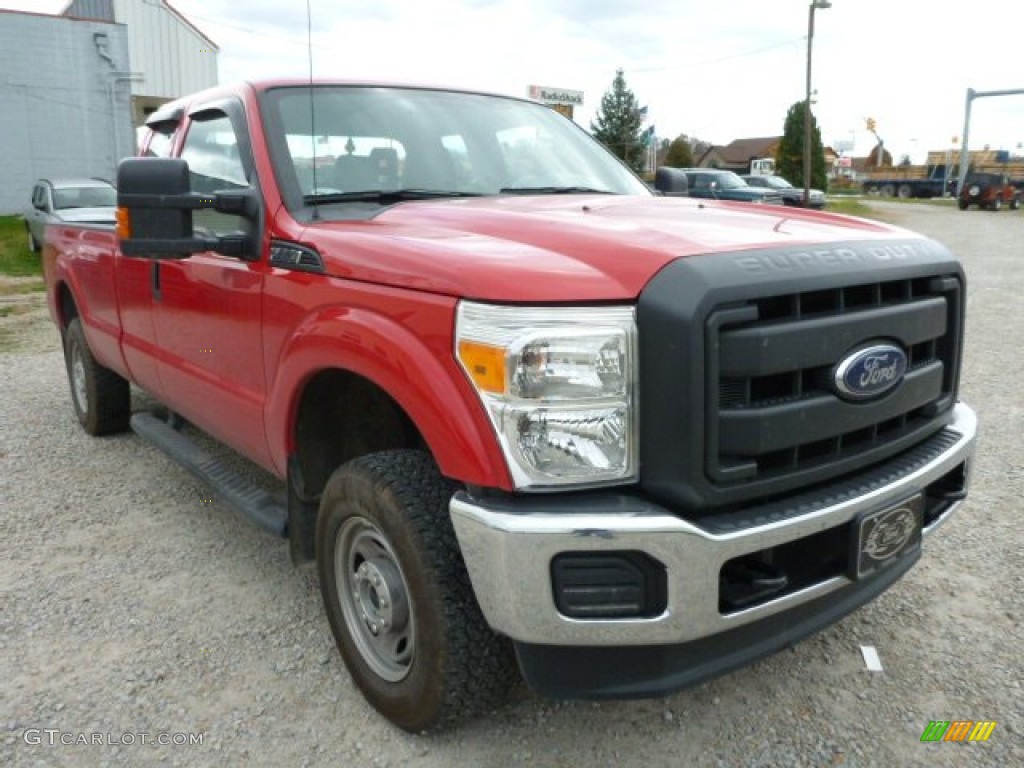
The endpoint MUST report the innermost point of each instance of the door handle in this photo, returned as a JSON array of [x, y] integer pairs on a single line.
[[154, 274]]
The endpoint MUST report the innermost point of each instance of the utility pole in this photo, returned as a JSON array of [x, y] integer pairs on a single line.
[[815, 5]]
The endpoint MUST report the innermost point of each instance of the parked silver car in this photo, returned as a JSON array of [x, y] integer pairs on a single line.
[[85, 201], [790, 194]]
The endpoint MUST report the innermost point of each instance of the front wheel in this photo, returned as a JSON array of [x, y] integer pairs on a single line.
[[101, 398], [398, 597], [1015, 204]]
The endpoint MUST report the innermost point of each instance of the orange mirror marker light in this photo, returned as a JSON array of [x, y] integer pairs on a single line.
[[124, 223], [485, 364]]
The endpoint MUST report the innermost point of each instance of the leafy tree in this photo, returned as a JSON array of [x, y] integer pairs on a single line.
[[789, 158], [617, 123], [679, 153]]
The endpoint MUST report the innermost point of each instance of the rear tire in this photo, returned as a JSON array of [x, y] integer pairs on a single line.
[[100, 397], [905, 192], [33, 244], [962, 204], [997, 204], [398, 597], [888, 190]]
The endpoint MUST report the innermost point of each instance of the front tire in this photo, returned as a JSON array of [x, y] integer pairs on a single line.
[[100, 397], [398, 597]]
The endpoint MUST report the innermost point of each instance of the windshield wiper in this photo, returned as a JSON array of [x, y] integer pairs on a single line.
[[554, 191], [383, 196]]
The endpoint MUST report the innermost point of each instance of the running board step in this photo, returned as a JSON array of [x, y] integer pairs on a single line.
[[253, 502]]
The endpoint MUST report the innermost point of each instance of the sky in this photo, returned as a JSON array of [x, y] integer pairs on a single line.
[[717, 70]]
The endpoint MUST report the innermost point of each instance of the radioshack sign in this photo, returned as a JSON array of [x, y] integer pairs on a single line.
[[556, 96]]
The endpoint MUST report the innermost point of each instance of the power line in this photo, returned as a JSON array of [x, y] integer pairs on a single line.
[[730, 57]]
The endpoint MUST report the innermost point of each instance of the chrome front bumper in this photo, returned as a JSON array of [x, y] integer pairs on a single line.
[[508, 547]]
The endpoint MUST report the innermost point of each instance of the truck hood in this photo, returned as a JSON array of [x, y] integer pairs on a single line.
[[101, 215], [559, 248]]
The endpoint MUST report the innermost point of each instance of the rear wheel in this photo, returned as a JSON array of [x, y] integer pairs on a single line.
[[888, 190], [101, 398], [997, 204], [33, 244], [398, 597], [905, 191], [962, 204]]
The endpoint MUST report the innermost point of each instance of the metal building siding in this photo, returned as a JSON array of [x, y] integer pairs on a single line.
[[55, 103], [91, 9], [172, 56]]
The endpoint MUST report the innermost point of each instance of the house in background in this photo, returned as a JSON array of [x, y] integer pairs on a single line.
[[76, 85], [737, 155]]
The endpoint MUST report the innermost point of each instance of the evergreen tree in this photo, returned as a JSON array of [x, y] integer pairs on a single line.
[[679, 153], [617, 123], [789, 159]]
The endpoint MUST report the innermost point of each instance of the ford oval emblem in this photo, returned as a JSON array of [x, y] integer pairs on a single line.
[[870, 372]]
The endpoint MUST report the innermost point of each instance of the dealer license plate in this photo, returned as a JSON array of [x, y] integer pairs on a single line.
[[882, 536]]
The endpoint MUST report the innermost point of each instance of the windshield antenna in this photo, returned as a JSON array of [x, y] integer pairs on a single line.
[[312, 107]]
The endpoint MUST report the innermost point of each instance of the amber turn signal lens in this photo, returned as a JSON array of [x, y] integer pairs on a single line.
[[124, 224], [485, 365]]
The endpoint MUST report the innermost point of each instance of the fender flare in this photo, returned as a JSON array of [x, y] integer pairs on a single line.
[[429, 387]]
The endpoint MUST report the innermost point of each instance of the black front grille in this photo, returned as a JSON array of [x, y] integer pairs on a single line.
[[772, 411]]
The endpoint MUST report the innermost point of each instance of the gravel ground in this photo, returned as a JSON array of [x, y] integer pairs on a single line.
[[130, 604]]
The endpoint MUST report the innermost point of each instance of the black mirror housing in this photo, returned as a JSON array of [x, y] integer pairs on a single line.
[[156, 203], [671, 182], [156, 230]]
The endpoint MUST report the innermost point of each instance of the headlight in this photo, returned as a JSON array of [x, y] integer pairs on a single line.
[[558, 385]]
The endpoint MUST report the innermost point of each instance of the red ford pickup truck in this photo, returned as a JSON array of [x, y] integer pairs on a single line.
[[528, 414]]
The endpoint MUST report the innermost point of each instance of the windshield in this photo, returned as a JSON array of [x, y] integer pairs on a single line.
[[776, 182], [355, 139], [729, 180], [84, 197]]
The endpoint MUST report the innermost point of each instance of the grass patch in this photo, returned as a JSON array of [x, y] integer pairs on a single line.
[[16, 259], [851, 207]]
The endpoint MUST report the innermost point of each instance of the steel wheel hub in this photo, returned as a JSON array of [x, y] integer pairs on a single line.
[[78, 386], [374, 599], [377, 585]]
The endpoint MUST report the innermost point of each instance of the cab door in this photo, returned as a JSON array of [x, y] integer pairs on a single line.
[[136, 277], [207, 308]]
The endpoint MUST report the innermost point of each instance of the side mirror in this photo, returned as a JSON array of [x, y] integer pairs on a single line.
[[671, 182], [154, 214]]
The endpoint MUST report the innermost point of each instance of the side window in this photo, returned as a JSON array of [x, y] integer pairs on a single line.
[[215, 163], [160, 140]]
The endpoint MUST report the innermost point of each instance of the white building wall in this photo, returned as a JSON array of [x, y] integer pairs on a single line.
[[59, 116], [174, 58]]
